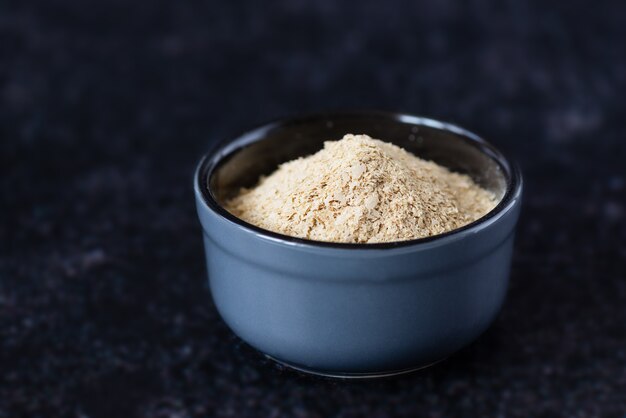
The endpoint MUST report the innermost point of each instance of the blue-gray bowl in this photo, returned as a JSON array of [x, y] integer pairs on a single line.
[[356, 309]]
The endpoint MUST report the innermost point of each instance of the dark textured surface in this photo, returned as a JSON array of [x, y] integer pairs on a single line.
[[106, 106]]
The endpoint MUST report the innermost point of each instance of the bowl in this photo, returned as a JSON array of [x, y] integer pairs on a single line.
[[356, 310]]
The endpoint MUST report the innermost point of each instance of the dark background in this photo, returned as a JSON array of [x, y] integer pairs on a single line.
[[106, 106]]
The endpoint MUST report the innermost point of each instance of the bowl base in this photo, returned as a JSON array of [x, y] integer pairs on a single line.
[[350, 375]]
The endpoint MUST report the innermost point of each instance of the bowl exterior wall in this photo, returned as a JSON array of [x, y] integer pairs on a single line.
[[358, 311]]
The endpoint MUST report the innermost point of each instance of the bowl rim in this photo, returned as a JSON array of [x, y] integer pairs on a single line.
[[225, 148]]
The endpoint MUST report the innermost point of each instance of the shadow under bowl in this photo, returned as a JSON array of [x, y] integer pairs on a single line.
[[356, 310]]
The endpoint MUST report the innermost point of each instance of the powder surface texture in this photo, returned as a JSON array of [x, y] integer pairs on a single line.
[[362, 190]]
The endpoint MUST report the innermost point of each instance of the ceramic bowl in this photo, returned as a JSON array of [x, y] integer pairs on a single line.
[[356, 310]]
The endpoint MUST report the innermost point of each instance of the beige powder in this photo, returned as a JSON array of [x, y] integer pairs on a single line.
[[362, 190]]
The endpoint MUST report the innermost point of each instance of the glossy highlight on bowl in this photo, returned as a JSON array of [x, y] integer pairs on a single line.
[[356, 310]]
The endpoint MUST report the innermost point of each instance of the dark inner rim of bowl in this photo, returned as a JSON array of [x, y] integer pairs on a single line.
[[240, 162]]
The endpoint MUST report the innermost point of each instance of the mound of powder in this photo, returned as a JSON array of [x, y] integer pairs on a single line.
[[362, 190]]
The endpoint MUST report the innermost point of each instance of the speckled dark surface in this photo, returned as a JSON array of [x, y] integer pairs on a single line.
[[106, 106]]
